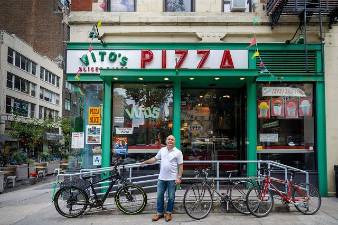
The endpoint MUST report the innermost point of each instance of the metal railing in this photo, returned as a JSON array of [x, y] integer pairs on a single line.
[[149, 181]]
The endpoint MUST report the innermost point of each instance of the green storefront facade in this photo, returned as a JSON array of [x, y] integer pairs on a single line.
[[284, 79]]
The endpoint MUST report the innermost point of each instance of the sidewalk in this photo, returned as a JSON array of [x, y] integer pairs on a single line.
[[32, 205]]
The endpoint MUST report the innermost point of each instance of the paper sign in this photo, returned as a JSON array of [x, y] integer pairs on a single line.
[[268, 137], [263, 109], [93, 134], [283, 91], [118, 119], [97, 160], [121, 145], [291, 108], [77, 140], [305, 107], [94, 116], [124, 130], [277, 107]]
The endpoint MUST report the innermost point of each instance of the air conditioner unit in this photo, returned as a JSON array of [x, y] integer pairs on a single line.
[[238, 5]]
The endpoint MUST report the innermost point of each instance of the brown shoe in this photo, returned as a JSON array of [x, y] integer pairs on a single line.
[[168, 217], [156, 217]]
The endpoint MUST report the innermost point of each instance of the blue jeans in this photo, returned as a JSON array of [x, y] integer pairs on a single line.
[[170, 187]]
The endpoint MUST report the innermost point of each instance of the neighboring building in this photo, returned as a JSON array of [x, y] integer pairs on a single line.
[[43, 25], [31, 84], [190, 62]]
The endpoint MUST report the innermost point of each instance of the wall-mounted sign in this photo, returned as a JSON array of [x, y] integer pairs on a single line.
[[77, 140], [124, 130], [83, 61], [94, 116], [283, 91]]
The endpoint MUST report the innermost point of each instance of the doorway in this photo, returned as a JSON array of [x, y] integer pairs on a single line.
[[213, 126]]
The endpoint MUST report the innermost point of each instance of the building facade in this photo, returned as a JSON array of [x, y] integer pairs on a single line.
[[31, 84], [213, 73]]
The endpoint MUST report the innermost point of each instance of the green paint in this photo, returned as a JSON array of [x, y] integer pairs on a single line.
[[102, 54], [112, 57], [321, 138], [93, 56], [84, 59], [124, 61], [106, 124], [177, 113], [251, 121]]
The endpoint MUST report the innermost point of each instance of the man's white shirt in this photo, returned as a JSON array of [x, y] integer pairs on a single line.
[[169, 163]]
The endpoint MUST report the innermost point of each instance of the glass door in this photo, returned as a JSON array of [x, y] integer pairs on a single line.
[[212, 123]]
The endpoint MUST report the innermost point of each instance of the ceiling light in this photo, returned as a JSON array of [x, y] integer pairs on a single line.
[[242, 78], [115, 78], [166, 78], [191, 78], [140, 78], [201, 96], [216, 78]]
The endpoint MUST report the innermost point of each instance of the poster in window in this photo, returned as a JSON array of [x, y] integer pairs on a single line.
[[264, 109], [93, 134], [291, 108], [122, 5], [121, 146], [305, 107], [277, 107]]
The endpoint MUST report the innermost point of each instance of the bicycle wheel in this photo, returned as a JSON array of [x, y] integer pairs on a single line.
[[70, 201], [197, 201], [131, 199], [259, 202], [238, 194], [306, 201]]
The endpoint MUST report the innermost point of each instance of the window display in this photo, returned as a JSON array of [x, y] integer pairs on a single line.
[[286, 125], [142, 117]]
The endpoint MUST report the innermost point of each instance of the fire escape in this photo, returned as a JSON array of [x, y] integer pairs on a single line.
[[307, 10]]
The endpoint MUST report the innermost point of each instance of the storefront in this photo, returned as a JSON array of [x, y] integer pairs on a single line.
[[221, 101]]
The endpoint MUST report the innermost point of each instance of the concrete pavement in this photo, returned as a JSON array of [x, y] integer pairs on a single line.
[[32, 205]]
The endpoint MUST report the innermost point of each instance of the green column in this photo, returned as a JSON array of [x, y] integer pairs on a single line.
[[106, 124], [321, 135], [177, 112], [251, 130]]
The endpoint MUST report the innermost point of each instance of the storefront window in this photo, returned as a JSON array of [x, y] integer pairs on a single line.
[[92, 116], [142, 119], [286, 125]]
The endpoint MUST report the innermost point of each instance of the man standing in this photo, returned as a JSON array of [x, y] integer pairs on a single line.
[[171, 170]]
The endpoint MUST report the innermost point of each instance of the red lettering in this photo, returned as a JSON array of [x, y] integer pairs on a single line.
[[205, 55], [183, 54], [164, 59], [226, 60], [146, 57]]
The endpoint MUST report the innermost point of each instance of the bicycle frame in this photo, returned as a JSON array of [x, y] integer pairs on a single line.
[[114, 178]]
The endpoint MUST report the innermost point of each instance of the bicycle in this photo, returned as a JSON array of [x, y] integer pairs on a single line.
[[198, 198], [72, 200], [260, 198]]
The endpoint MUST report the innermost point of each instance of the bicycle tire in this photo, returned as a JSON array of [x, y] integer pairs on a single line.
[[134, 196], [258, 205], [194, 195], [238, 194], [73, 196], [303, 201]]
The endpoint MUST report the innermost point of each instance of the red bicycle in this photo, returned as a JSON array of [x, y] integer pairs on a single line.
[[260, 198]]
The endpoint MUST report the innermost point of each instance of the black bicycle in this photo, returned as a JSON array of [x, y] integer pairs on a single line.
[[198, 198], [72, 199]]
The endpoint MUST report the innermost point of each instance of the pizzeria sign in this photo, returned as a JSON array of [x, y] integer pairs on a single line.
[[83, 61]]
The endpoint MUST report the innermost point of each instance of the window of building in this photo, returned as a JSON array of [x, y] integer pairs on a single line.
[[20, 107], [20, 84], [10, 77], [17, 59], [122, 5], [179, 5], [236, 5], [42, 72], [10, 56], [32, 111], [57, 99], [67, 104], [40, 112], [146, 110], [33, 89], [33, 68], [286, 124], [8, 104], [57, 81]]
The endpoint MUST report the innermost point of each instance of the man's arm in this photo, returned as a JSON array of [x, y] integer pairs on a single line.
[[149, 161], [179, 174]]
